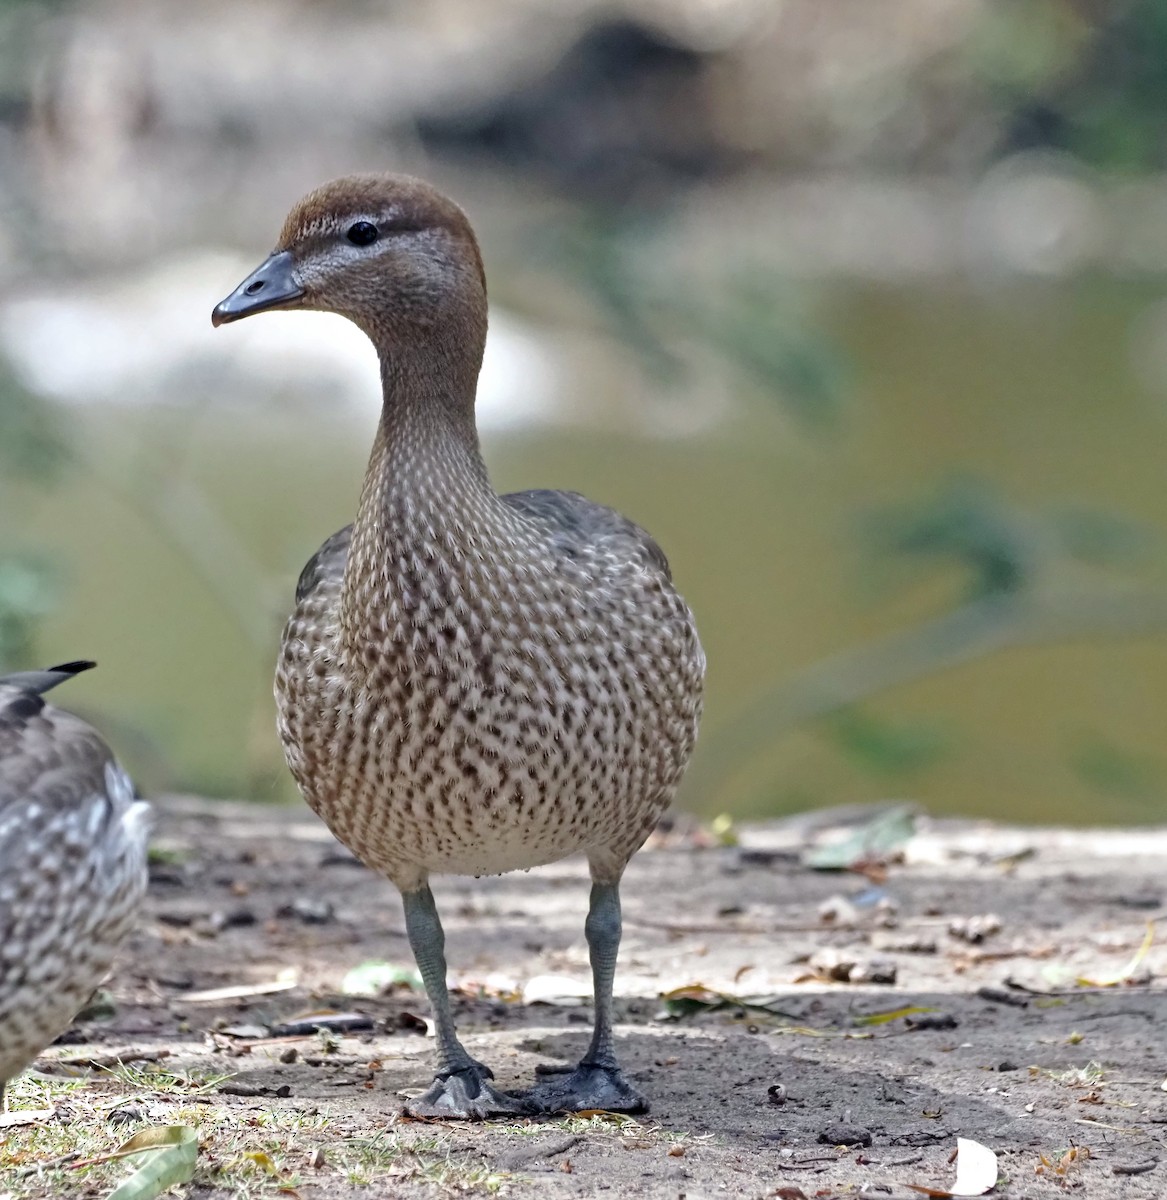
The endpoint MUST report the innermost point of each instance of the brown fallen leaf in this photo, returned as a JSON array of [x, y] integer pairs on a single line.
[[1068, 1163]]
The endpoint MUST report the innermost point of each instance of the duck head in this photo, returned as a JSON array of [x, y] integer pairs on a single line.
[[389, 252]]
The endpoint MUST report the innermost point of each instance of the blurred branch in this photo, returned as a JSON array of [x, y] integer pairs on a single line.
[[1018, 595], [180, 515], [751, 319], [975, 630]]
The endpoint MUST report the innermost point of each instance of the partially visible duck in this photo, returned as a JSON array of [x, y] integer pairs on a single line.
[[470, 683], [72, 863]]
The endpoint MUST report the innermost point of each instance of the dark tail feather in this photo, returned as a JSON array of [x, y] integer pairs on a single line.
[[40, 682]]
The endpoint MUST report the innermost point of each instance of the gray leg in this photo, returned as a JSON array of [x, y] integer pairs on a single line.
[[597, 1081], [460, 1088], [602, 930]]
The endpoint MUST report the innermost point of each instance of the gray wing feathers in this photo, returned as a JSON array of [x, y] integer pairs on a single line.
[[577, 522], [39, 682], [52, 762], [326, 565]]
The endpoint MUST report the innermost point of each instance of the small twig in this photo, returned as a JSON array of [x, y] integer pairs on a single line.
[[1134, 1168], [1104, 1125], [982, 627], [550, 1149], [117, 1058], [734, 927], [52, 1165], [111, 1157]]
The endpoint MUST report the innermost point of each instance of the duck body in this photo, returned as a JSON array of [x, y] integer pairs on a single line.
[[72, 864], [469, 683], [528, 687]]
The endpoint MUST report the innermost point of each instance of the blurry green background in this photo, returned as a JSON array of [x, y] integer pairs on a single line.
[[856, 304]]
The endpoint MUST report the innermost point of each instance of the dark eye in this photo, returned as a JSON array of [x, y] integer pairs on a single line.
[[362, 233]]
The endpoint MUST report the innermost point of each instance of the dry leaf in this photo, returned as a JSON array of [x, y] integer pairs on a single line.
[[286, 982], [1129, 972], [26, 1116]]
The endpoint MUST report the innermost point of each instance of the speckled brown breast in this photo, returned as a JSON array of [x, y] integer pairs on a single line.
[[473, 683]]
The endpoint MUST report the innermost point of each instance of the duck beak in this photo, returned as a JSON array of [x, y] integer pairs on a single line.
[[271, 285]]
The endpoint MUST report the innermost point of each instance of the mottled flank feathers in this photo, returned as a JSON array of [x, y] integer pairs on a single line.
[[72, 864]]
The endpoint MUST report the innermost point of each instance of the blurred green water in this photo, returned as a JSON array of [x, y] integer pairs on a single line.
[[1027, 388]]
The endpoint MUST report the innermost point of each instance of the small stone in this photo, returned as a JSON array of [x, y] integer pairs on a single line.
[[845, 1135], [975, 930], [1001, 996], [289, 1054], [238, 918], [309, 909], [932, 1021], [127, 1114]]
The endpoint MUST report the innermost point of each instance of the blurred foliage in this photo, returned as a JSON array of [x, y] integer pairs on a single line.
[[29, 590], [1090, 80], [749, 321], [1102, 539], [33, 446], [758, 330], [1000, 546], [963, 523], [1113, 770], [884, 747], [33, 450]]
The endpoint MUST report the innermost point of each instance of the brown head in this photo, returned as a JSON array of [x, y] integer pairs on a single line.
[[389, 252]]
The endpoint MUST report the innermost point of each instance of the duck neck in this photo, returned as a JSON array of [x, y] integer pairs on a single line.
[[426, 492]]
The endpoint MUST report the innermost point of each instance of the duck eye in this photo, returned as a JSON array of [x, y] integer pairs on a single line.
[[362, 233]]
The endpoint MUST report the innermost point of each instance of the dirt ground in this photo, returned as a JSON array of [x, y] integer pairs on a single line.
[[751, 1096]]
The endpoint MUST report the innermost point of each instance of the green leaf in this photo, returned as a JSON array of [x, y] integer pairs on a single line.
[[167, 1153], [876, 840], [696, 997]]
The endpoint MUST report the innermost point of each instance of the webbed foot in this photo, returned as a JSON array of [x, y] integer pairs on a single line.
[[466, 1095], [587, 1086]]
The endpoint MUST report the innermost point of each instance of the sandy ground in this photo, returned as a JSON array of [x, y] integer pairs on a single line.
[[1064, 1080]]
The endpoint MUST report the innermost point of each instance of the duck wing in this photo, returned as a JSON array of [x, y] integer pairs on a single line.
[[578, 524], [326, 566]]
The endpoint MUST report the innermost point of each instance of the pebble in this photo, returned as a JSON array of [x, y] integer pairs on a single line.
[[845, 1135]]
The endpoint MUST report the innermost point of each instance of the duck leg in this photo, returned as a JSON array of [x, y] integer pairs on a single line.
[[460, 1088], [597, 1081]]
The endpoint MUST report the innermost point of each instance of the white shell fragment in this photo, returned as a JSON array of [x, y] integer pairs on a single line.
[[976, 1168]]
